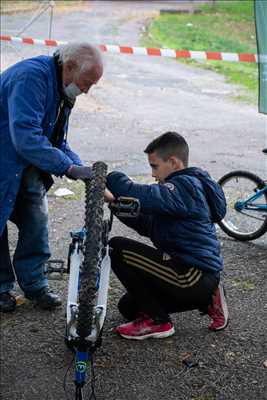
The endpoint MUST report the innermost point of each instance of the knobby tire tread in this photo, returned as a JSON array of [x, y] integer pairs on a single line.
[[255, 178], [94, 203]]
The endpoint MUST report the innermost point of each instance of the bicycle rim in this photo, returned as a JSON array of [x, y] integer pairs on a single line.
[[247, 224], [93, 224]]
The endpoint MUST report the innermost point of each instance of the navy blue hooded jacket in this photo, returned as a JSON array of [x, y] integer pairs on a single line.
[[176, 215]]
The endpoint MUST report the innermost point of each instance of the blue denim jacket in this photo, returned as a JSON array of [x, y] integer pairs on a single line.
[[29, 99]]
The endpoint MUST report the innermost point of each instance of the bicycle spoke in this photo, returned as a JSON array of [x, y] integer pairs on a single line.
[[245, 201], [253, 216]]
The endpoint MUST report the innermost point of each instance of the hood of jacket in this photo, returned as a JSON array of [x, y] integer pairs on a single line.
[[213, 191]]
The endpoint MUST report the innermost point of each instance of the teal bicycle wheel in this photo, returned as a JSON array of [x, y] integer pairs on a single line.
[[243, 223]]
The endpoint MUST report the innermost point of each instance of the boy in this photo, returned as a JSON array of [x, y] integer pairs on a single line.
[[182, 272]]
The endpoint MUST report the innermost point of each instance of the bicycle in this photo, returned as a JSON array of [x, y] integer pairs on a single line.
[[89, 270], [246, 197]]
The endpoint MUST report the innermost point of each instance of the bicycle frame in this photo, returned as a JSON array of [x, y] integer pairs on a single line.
[[248, 203], [73, 288], [85, 347]]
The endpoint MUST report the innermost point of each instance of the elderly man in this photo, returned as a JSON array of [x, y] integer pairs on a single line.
[[37, 96]]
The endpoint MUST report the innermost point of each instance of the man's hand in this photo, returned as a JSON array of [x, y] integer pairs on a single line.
[[108, 196], [77, 172]]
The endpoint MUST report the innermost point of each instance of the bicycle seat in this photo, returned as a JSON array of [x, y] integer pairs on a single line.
[[264, 151]]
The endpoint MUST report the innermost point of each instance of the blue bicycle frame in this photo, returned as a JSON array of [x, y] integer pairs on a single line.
[[248, 203]]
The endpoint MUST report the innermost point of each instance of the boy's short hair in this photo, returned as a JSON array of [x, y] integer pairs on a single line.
[[169, 144]]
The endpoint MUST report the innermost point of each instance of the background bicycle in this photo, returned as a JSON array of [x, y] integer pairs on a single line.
[[246, 196]]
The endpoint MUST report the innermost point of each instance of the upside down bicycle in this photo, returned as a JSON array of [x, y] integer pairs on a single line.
[[89, 269], [246, 197]]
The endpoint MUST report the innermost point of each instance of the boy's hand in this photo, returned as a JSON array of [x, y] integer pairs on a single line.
[[108, 196]]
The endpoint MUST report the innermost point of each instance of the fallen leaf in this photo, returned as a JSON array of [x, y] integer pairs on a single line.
[[20, 299]]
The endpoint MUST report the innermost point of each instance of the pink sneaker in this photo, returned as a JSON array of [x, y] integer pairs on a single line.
[[218, 310], [143, 328]]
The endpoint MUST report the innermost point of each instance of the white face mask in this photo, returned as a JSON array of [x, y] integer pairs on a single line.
[[72, 90]]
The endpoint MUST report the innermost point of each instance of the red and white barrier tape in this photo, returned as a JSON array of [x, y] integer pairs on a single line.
[[197, 55]]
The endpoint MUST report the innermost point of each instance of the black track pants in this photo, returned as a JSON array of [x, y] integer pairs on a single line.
[[155, 285]]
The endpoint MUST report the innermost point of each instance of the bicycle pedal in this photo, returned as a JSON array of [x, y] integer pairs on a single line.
[[55, 269]]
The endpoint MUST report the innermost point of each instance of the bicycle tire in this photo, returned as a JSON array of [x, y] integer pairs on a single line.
[[230, 224], [94, 203]]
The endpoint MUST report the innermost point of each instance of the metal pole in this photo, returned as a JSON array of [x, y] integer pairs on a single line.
[[39, 12], [51, 5]]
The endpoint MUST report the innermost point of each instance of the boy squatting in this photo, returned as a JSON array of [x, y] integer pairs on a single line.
[[182, 271]]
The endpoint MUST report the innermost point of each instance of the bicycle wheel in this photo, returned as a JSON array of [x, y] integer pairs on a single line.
[[243, 224], [93, 224]]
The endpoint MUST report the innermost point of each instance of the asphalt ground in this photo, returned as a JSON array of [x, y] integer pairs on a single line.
[[136, 100]]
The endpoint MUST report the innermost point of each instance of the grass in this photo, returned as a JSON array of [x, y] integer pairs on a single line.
[[226, 27]]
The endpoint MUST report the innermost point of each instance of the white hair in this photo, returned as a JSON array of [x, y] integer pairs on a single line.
[[82, 53]]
